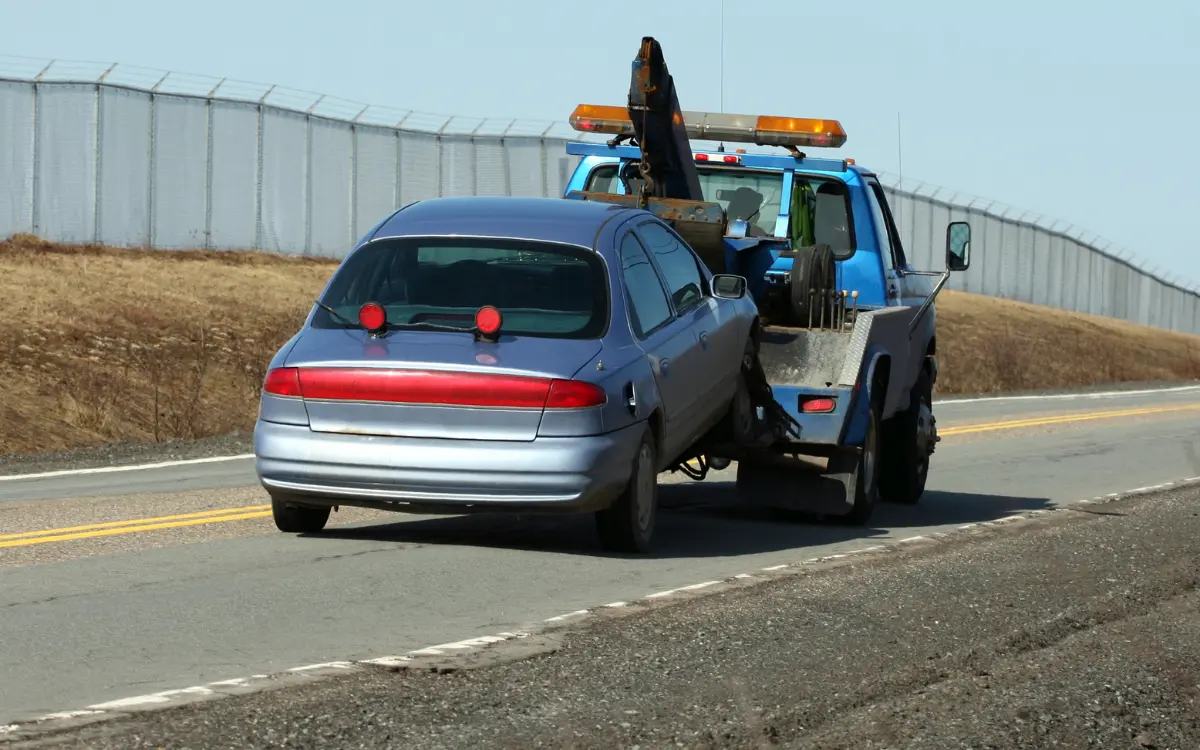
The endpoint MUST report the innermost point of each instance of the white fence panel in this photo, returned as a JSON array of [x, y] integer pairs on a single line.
[[123, 200], [376, 167], [65, 163], [234, 165], [283, 226], [331, 177], [179, 195], [18, 125]]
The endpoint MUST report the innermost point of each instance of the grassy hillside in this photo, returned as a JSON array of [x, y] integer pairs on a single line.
[[102, 344]]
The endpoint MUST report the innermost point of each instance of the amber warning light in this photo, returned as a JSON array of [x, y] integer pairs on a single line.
[[761, 130]]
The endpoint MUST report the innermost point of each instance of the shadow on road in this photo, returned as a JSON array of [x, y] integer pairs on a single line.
[[697, 520]]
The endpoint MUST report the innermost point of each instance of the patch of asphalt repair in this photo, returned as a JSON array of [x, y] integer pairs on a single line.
[[1078, 626]]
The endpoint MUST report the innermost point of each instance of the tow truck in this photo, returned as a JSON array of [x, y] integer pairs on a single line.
[[840, 373]]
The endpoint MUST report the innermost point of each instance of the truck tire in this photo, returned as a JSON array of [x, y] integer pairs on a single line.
[[812, 268], [291, 518], [908, 438], [628, 525], [866, 471]]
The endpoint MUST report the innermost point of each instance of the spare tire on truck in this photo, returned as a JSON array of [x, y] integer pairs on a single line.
[[814, 275]]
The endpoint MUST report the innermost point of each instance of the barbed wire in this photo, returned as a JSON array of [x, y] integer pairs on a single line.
[[167, 82]]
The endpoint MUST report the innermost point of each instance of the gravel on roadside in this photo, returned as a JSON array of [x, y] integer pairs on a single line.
[[1081, 629]]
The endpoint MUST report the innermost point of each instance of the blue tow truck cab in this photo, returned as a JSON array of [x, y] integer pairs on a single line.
[[846, 349]]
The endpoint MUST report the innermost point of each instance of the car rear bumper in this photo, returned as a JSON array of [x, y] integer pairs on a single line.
[[419, 474]]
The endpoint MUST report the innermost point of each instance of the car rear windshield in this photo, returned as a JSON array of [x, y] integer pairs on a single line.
[[541, 289]]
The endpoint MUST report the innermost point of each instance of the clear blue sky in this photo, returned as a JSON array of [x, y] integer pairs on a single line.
[[1083, 111]]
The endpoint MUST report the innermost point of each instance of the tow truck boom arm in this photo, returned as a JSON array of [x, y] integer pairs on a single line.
[[667, 165]]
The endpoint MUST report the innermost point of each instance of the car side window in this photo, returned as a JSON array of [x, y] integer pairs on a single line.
[[678, 264], [648, 305]]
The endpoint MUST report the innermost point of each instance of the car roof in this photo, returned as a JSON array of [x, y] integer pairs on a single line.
[[548, 219]]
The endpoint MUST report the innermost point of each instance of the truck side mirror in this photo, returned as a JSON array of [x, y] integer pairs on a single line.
[[958, 246], [728, 286]]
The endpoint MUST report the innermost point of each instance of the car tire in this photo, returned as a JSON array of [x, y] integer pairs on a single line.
[[292, 518], [628, 525], [908, 437], [866, 477]]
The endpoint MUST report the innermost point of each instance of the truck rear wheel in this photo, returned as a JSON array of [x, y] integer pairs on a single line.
[[865, 479], [909, 440]]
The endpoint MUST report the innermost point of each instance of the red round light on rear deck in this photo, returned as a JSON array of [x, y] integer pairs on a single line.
[[372, 316], [488, 320]]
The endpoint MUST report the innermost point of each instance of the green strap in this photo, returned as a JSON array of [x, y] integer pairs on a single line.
[[803, 205]]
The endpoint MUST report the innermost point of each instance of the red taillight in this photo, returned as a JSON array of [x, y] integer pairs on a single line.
[[424, 387], [283, 381], [574, 394], [372, 317], [488, 320], [818, 405], [701, 157]]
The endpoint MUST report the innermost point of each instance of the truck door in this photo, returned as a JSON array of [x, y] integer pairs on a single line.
[[902, 288]]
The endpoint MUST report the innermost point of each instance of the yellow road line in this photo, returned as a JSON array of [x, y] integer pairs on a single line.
[[133, 529], [248, 512], [135, 522], [1014, 424]]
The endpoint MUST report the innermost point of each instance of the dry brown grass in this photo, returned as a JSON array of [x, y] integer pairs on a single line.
[[100, 345]]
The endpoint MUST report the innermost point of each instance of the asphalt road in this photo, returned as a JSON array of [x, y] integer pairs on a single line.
[[1074, 630], [96, 615]]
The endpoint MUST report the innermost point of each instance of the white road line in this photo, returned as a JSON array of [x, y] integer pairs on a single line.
[[471, 643], [1068, 396], [130, 467]]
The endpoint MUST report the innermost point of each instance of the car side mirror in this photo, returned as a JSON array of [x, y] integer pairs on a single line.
[[728, 286], [958, 246]]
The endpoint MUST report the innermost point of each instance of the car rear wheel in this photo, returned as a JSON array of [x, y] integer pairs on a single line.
[[292, 518], [628, 525]]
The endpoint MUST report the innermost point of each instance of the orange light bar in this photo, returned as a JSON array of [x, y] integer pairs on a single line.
[[763, 130], [598, 118]]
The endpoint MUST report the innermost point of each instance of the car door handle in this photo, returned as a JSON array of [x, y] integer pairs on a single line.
[[663, 366], [704, 339]]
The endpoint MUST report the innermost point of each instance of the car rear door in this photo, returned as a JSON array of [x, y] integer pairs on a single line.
[[667, 341], [707, 366]]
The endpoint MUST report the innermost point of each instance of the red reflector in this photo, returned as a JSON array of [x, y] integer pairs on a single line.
[[575, 394], [731, 160], [818, 405], [283, 381], [372, 316], [488, 320], [701, 157]]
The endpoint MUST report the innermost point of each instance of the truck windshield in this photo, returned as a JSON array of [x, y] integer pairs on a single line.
[[756, 196]]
